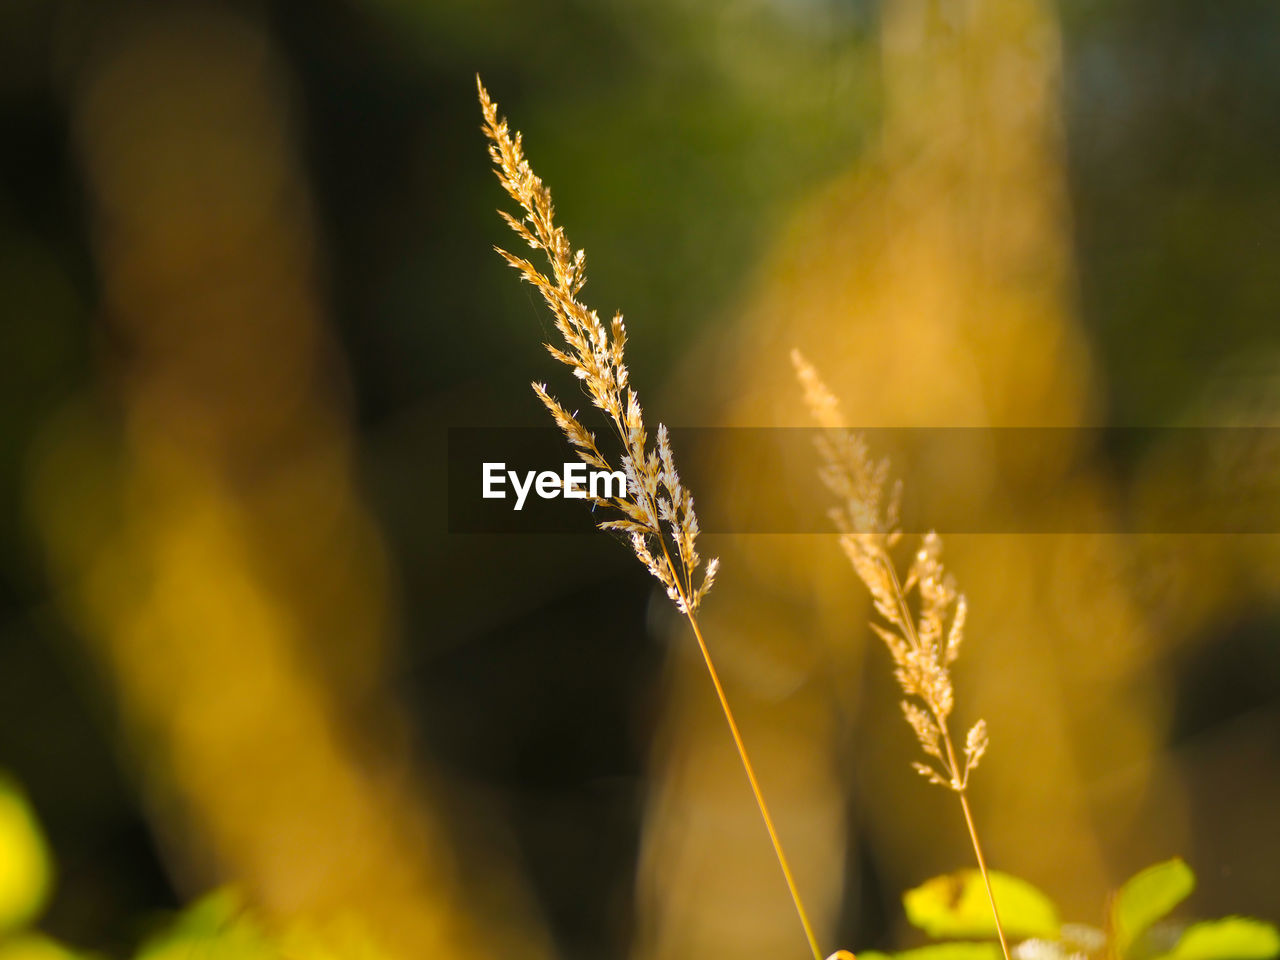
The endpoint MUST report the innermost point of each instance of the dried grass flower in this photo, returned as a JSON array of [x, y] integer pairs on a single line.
[[656, 513], [921, 615]]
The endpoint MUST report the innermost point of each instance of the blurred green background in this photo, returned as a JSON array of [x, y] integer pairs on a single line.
[[247, 285]]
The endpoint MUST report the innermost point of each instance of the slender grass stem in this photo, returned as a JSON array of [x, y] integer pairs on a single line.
[[745, 757], [958, 785], [755, 788], [595, 352], [977, 848]]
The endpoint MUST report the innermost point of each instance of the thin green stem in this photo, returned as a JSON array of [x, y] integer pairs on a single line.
[[744, 757], [973, 835], [755, 789], [957, 784]]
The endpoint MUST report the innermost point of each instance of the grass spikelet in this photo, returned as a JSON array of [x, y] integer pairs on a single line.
[[656, 509], [923, 638], [656, 512]]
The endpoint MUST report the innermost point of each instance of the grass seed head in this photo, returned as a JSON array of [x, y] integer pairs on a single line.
[[656, 511], [921, 615]]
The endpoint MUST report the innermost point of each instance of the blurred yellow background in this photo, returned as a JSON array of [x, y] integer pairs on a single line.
[[245, 253]]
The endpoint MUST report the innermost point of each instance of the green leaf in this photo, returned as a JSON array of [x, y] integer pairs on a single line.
[[221, 926], [951, 951], [26, 872], [215, 927], [956, 905], [1235, 938], [1147, 897]]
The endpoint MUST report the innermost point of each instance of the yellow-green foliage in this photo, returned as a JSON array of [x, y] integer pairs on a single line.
[[940, 951], [1238, 937], [956, 905], [217, 927], [26, 873], [1137, 925], [1146, 897], [220, 926]]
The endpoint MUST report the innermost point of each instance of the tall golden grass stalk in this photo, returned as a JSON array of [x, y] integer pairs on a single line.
[[923, 643], [656, 511]]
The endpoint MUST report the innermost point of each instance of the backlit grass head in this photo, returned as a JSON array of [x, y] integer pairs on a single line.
[[657, 509]]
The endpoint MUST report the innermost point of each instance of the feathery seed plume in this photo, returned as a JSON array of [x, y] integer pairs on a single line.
[[656, 510], [923, 639]]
